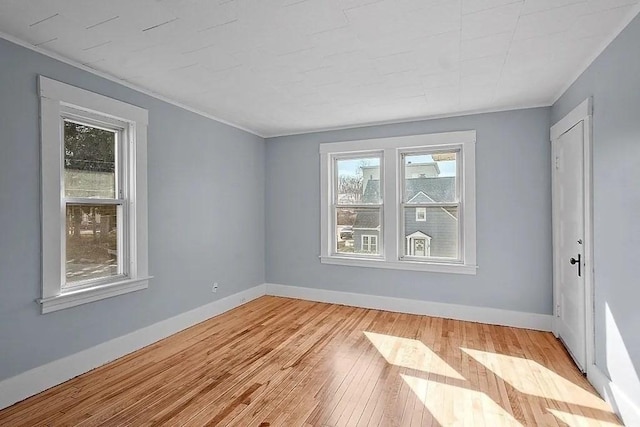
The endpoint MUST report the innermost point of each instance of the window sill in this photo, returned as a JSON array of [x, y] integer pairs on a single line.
[[401, 265], [72, 298]]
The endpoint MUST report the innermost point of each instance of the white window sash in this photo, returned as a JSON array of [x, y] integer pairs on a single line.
[[121, 189], [335, 205]]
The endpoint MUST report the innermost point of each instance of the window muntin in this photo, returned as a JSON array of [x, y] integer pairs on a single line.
[[431, 204], [357, 203]]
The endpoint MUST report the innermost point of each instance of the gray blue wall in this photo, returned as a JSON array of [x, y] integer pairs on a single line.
[[513, 216], [206, 217], [613, 80]]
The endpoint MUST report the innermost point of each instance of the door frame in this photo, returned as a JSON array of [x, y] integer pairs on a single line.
[[582, 113]]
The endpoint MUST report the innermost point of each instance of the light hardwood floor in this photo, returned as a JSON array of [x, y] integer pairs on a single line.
[[285, 362]]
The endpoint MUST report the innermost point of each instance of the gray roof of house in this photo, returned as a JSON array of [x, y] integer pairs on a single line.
[[437, 189], [367, 219], [372, 191]]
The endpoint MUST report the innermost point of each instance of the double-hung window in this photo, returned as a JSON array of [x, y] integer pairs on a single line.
[[401, 203], [431, 205], [356, 214], [94, 207]]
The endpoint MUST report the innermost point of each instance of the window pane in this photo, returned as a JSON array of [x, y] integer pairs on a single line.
[[92, 242], [435, 236], [358, 230], [89, 161], [430, 177], [358, 181]]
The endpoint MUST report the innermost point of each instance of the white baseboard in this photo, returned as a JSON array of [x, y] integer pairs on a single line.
[[622, 404], [493, 316], [36, 380]]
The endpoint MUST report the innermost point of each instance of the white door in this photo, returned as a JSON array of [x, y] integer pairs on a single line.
[[418, 247], [569, 235]]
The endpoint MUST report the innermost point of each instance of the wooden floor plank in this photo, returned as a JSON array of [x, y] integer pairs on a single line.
[[284, 362]]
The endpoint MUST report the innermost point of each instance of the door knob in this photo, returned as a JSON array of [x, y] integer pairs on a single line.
[[574, 261]]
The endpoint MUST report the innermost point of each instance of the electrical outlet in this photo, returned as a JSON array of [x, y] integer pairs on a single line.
[[215, 287]]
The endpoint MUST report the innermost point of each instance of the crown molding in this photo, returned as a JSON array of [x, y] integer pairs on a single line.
[[414, 119]]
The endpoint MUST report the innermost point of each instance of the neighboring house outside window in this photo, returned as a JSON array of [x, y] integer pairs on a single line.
[[369, 243], [94, 197], [418, 244], [436, 215], [437, 224]]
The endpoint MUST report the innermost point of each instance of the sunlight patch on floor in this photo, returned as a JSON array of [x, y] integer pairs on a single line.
[[530, 377], [579, 420], [453, 405], [412, 354]]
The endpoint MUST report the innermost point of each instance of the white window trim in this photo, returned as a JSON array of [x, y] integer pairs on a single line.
[[55, 97], [422, 211], [392, 250]]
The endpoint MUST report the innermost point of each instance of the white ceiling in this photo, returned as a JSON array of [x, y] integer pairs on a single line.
[[287, 66]]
